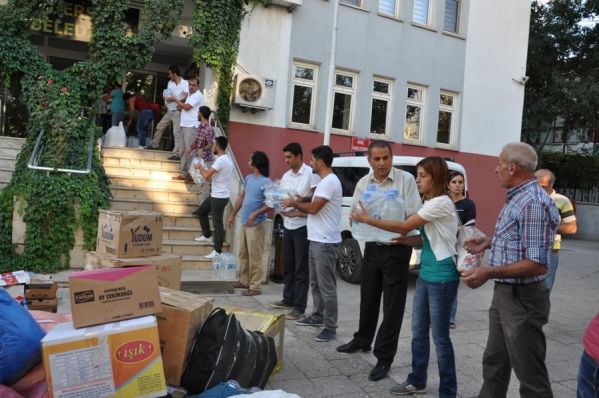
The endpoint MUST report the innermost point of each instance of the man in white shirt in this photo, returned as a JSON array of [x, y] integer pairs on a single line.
[[324, 234], [385, 267], [220, 172], [300, 178], [189, 124], [177, 88]]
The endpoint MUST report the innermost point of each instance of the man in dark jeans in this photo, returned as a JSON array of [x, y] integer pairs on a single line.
[[220, 172], [385, 267], [518, 262], [302, 179]]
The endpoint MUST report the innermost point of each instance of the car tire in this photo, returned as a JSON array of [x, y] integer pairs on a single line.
[[349, 261]]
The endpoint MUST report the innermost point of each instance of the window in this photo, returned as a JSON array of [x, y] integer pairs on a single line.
[[381, 98], [305, 78], [446, 117], [414, 113], [356, 3], [451, 21], [388, 7], [344, 91], [421, 11]]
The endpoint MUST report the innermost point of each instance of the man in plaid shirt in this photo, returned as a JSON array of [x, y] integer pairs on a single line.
[[518, 263], [203, 147]]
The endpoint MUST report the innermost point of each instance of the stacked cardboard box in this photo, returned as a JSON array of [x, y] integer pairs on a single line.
[[41, 296]]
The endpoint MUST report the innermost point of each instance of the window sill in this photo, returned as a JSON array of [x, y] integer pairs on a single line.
[[303, 127], [389, 16], [425, 27], [345, 133], [353, 6], [381, 137], [447, 147], [456, 35], [411, 142]]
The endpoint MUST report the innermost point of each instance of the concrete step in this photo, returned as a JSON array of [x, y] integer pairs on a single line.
[[9, 152], [122, 181], [180, 220], [12, 142], [154, 174], [141, 163], [189, 262], [188, 247], [5, 174], [173, 208], [135, 153], [7, 162], [156, 195], [180, 233]]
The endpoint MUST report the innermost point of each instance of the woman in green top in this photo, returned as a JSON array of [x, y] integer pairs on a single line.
[[438, 280], [117, 103]]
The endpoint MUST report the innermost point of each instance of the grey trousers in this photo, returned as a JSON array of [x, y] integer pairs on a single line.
[[516, 341], [321, 259], [189, 136], [173, 117], [216, 207]]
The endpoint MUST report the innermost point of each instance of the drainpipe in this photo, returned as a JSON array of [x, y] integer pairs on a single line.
[[328, 119]]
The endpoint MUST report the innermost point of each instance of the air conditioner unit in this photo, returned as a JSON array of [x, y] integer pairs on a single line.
[[254, 92]]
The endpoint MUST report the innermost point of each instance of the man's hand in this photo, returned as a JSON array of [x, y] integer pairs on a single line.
[[476, 277], [477, 245], [231, 221], [360, 216], [291, 213], [288, 202], [251, 219]]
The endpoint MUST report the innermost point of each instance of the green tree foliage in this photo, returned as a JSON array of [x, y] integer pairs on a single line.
[[563, 66]]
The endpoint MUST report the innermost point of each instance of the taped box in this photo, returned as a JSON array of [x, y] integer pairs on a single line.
[[113, 294], [120, 359], [126, 234], [182, 315], [268, 323], [168, 266], [41, 291]]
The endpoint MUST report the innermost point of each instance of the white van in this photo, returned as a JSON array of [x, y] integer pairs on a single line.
[[350, 169]]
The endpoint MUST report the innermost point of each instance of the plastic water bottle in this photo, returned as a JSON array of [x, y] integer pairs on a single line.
[[393, 209], [215, 271], [230, 267], [370, 197]]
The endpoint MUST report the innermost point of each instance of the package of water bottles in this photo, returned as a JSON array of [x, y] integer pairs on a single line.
[[195, 173], [382, 204], [224, 267], [275, 192]]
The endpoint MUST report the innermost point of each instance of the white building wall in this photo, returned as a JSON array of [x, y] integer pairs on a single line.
[[496, 49]]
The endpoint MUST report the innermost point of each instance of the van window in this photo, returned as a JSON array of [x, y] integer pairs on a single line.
[[409, 169], [349, 177]]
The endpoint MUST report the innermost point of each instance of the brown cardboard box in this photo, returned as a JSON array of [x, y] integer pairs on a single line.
[[49, 305], [182, 315], [168, 266], [268, 323], [113, 294], [126, 234], [41, 291]]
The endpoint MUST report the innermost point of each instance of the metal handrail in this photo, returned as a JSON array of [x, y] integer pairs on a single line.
[[37, 152]]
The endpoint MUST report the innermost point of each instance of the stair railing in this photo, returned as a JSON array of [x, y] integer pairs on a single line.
[[34, 160]]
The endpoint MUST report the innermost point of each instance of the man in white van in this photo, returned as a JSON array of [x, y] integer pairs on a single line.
[[385, 267]]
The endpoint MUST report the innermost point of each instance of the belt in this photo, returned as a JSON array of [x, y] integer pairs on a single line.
[[380, 244]]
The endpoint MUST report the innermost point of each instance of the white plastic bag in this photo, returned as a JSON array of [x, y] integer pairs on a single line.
[[115, 136], [467, 261], [275, 192], [195, 173]]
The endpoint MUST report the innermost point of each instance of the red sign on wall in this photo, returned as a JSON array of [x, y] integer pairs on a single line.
[[359, 144]]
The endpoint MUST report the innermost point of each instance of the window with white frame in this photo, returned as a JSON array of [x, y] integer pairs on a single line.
[[451, 20], [421, 12], [343, 95], [305, 78], [447, 107], [381, 106], [357, 3], [388, 7], [414, 113]]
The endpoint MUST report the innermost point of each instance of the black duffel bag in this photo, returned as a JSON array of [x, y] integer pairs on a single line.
[[222, 350]]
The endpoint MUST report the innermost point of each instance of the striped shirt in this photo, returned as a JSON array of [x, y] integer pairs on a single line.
[[566, 213], [205, 136], [525, 229]]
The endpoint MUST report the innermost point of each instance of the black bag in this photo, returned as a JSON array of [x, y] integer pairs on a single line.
[[222, 350]]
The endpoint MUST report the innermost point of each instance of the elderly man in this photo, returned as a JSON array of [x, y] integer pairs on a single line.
[[567, 225], [518, 262]]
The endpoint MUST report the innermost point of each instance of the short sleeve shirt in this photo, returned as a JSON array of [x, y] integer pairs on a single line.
[[302, 182], [189, 118], [221, 179], [566, 213], [324, 226], [177, 90], [117, 103], [253, 198]]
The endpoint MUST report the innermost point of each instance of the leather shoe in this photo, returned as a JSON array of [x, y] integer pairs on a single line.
[[352, 346], [179, 178], [177, 158], [379, 372]]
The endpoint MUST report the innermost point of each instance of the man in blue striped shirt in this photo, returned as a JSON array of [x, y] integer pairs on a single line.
[[518, 261]]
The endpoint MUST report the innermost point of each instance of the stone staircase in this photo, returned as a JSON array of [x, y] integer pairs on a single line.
[[142, 180], [9, 149]]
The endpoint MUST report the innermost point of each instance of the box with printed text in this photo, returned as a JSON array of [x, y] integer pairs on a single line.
[[125, 234]]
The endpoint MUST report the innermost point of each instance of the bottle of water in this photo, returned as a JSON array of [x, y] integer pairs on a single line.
[[215, 271], [231, 267], [370, 197], [392, 209]]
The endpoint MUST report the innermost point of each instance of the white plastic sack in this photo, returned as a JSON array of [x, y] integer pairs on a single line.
[[195, 173], [275, 192], [115, 136], [467, 261]]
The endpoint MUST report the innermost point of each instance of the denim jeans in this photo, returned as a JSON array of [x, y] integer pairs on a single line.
[[143, 119], [117, 117], [553, 257], [322, 258], [454, 307], [588, 378], [432, 306]]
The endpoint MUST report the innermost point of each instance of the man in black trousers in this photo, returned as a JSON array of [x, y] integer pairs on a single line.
[[385, 267]]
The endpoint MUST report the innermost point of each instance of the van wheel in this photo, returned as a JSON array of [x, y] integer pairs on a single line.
[[349, 261]]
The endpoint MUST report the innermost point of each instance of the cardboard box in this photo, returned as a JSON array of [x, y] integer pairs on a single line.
[[113, 294], [268, 323], [41, 291], [126, 234], [168, 266], [49, 305], [182, 315], [121, 359]]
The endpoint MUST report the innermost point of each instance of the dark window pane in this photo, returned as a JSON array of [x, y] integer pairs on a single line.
[[302, 104], [378, 118], [444, 128], [446, 100], [341, 109], [415, 94], [349, 177], [304, 73], [380, 87], [344, 81], [450, 22], [412, 129]]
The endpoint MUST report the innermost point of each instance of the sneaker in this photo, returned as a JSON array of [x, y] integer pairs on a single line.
[[325, 335], [294, 315], [174, 158], [203, 239], [281, 305], [196, 212], [210, 256], [308, 321], [406, 389]]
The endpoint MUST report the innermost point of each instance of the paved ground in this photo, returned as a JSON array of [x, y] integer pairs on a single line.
[[314, 369]]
